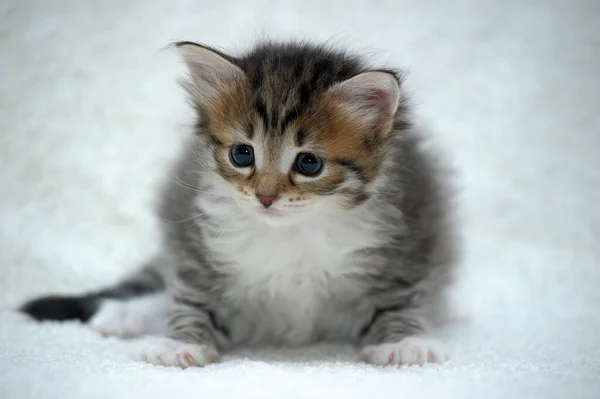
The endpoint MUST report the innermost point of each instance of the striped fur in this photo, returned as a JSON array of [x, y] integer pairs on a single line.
[[55, 307], [363, 252]]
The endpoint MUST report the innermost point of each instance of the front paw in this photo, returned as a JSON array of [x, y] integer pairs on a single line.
[[408, 351], [163, 351]]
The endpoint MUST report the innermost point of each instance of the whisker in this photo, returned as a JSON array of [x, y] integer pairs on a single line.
[[189, 186], [222, 230], [200, 215]]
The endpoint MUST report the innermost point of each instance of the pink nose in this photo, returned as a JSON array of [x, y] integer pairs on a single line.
[[267, 200]]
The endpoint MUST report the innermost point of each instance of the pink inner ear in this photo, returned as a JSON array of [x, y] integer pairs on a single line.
[[377, 98]]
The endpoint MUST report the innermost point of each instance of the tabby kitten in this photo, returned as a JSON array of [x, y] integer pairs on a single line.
[[304, 208]]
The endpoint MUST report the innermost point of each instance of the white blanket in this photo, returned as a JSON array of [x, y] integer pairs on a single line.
[[91, 114]]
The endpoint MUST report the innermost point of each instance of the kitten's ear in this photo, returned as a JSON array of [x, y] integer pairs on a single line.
[[370, 98], [210, 70]]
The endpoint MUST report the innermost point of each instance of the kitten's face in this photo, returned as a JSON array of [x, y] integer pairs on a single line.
[[319, 159], [288, 147]]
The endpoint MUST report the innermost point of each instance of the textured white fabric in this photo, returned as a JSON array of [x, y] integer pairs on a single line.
[[91, 113]]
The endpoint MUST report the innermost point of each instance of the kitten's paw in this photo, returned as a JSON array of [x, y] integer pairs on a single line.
[[408, 351], [116, 318], [162, 351]]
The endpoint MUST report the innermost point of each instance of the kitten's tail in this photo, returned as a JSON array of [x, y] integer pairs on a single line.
[[83, 307]]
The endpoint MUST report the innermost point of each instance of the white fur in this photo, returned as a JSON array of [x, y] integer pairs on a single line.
[[408, 351], [132, 317], [287, 269]]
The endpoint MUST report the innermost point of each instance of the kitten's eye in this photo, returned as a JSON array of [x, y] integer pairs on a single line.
[[308, 164], [242, 155]]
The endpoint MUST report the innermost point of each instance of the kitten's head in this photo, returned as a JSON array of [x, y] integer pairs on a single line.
[[292, 128]]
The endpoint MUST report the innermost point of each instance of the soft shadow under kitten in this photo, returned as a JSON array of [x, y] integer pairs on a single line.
[[303, 209]]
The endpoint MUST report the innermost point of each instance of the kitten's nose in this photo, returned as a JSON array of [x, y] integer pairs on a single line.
[[267, 199]]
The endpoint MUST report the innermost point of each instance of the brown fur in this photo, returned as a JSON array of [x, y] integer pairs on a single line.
[[340, 139]]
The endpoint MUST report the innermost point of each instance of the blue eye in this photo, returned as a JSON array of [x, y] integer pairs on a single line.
[[308, 164], [242, 155]]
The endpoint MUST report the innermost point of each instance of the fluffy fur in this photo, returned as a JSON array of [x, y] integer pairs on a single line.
[[362, 251]]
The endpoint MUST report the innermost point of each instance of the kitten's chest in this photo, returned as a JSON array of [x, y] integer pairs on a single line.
[[283, 282], [286, 262]]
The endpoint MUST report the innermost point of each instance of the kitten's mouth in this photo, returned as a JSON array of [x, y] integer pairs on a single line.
[[269, 212]]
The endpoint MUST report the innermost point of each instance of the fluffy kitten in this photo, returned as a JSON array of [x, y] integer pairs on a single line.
[[303, 209]]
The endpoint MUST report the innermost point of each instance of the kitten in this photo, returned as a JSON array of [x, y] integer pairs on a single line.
[[305, 208]]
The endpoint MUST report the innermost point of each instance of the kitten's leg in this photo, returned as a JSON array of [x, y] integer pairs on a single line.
[[133, 317], [395, 336], [190, 338]]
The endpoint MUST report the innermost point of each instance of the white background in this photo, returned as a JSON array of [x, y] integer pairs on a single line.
[[91, 115]]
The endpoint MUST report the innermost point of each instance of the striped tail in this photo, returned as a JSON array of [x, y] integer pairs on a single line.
[[83, 307]]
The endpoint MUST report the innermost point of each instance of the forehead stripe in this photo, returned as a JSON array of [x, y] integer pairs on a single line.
[[274, 119], [261, 110], [290, 117]]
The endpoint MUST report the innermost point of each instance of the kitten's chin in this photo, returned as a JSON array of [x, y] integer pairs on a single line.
[[275, 221]]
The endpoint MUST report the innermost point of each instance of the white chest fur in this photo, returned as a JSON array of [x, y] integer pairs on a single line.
[[285, 278]]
